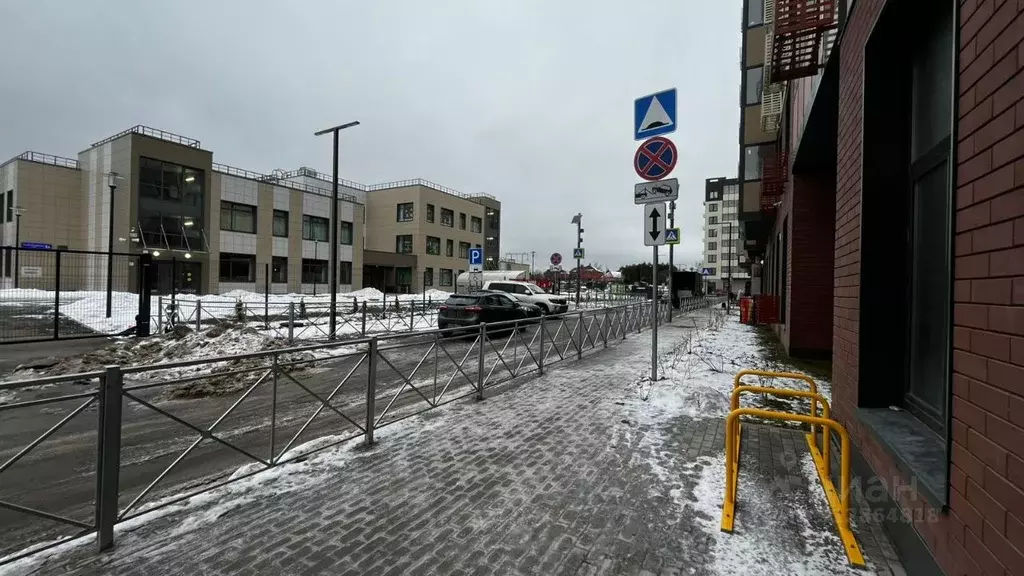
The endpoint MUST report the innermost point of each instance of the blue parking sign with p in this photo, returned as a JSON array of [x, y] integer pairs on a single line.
[[476, 256]]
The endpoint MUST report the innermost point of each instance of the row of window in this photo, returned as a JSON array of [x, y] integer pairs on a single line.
[[242, 268], [406, 213], [235, 217], [403, 245]]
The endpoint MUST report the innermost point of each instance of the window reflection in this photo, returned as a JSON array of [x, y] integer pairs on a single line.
[[171, 199]]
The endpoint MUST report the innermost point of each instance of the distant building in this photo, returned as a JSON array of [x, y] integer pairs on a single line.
[[723, 254]]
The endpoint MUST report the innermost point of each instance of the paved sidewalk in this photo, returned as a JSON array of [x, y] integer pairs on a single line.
[[568, 473]]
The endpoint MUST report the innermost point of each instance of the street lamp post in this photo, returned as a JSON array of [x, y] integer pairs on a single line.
[[112, 179], [333, 264], [17, 243]]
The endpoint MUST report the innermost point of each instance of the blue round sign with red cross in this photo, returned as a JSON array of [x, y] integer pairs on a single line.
[[655, 158]]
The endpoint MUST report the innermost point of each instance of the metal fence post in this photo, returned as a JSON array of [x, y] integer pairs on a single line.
[[540, 359], [56, 298], [266, 298], [199, 314], [579, 347], [291, 321], [160, 314], [371, 393], [606, 327], [364, 318], [108, 464], [412, 314], [480, 363]]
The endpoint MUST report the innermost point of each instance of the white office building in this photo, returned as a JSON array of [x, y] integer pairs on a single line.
[[723, 254]]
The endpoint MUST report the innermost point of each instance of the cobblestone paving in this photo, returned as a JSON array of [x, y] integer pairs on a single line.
[[567, 473]]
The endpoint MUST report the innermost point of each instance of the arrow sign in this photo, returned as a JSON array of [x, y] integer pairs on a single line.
[[654, 224]]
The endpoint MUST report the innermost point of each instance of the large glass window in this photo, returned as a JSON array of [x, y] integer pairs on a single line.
[[449, 248], [428, 277], [404, 212], [712, 233], [346, 233], [237, 267], [314, 271], [476, 225], [430, 213], [403, 276], [464, 250], [755, 12], [462, 221], [279, 269], [712, 246], [235, 217], [3, 212], [433, 245], [753, 160], [281, 223], [446, 277], [344, 272], [171, 205], [447, 218], [931, 200], [753, 87], [712, 220], [315, 228], [403, 244]]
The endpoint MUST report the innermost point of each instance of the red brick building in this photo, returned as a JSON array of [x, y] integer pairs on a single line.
[[897, 236]]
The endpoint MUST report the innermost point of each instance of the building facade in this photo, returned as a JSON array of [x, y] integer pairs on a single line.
[[896, 234], [723, 255], [213, 228]]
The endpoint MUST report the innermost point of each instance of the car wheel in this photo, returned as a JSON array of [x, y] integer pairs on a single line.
[[543, 309]]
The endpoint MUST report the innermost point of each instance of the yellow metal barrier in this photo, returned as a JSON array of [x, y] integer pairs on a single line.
[[787, 375], [840, 504]]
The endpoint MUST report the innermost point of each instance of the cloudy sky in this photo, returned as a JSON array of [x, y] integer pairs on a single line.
[[530, 101]]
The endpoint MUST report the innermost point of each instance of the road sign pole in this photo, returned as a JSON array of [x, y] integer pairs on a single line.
[[654, 318], [671, 259]]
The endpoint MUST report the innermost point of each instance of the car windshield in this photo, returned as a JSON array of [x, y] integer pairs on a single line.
[[462, 300], [535, 289]]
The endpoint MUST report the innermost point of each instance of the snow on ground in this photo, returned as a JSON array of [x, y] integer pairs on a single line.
[[696, 371], [754, 548], [249, 484]]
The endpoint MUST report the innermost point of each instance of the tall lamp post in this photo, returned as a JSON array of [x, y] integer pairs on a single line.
[[18, 210], [112, 179], [333, 264]]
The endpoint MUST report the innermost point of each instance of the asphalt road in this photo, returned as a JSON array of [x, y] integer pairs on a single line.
[[58, 476]]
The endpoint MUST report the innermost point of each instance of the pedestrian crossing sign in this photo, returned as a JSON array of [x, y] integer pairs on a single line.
[[672, 236]]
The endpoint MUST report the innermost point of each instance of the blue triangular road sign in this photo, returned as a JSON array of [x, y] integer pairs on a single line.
[[654, 114]]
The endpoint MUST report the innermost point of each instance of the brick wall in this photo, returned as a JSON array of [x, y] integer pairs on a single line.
[[810, 293], [988, 334], [983, 531]]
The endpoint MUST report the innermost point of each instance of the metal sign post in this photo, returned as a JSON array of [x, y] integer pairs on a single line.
[[671, 259], [654, 318]]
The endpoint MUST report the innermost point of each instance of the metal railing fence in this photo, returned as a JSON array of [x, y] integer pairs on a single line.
[[323, 394]]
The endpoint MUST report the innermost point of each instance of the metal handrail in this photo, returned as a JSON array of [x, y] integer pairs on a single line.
[[153, 133]]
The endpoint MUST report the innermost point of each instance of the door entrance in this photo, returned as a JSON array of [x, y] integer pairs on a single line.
[[176, 276]]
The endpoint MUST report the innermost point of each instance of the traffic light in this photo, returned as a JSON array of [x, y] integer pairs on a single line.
[[579, 237]]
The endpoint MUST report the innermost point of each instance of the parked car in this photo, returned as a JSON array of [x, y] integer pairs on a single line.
[[481, 307], [530, 292]]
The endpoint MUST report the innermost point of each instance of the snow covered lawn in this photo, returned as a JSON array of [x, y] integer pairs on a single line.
[[696, 370]]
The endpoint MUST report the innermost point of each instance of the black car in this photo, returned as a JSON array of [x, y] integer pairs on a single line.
[[475, 308]]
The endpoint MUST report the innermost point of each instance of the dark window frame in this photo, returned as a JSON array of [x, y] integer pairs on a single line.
[[235, 209], [315, 271], [435, 241], [400, 212], [276, 219], [346, 233], [428, 277], [430, 213], [462, 220], [234, 260], [311, 223], [476, 225], [758, 92], [400, 244], [449, 248], [344, 272], [441, 279], [279, 269]]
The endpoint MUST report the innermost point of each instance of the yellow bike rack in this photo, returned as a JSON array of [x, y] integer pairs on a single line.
[[838, 503]]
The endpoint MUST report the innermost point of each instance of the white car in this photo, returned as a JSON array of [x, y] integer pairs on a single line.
[[530, 292]]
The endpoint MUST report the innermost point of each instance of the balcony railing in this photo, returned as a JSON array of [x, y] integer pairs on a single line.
[[40, 158], [152, 133], [798, 31]]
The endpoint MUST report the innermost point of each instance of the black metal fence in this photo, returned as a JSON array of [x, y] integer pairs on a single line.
[[55, 294]]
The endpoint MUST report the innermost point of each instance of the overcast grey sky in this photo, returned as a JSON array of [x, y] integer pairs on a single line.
[[530, 101]]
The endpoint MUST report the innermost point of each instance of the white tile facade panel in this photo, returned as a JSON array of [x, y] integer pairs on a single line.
[[241, 190], [280, 247], [237, 242], [346, 211], [324, 289], [316, 250], [281, 198], [314, 205]]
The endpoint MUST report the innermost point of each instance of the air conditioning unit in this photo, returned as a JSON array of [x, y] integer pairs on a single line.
[[773, 99]]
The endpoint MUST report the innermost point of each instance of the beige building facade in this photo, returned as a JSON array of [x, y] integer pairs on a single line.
[[213, 228]]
